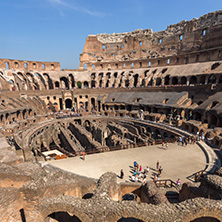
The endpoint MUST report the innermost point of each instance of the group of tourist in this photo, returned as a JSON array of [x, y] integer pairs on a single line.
[[139, 175]]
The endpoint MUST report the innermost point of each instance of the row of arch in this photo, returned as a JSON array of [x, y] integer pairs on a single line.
[[16, 116], [37, 81]]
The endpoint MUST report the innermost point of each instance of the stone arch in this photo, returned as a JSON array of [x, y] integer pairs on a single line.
[[41, 81], [135, 82], [100, 83], [203, 213], [193, 80], [86, 84], [49, 81], [183, 80], [150, 83], [127, 83], [174, 81], [129, 219], [6, 116], [205, 219], [24, 113], [62, 216], [57, 85], [79, 85], [13, 86], [21, 81], [167, 80], [68, 103], [71, 80], [63, 204], [202, 79], [93, 102], [93, 83], [2, 118], [212, 79], [32, 82], [107, 83], [158, 81], [64, 82]]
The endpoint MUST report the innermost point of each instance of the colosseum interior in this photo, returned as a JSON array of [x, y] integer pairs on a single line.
[[131, 90]]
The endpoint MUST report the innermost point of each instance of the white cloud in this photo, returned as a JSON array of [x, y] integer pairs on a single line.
[[75, 8]]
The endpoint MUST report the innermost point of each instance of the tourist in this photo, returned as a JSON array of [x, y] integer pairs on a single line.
[[83, 155], [178, 182], [147, 170], [137, 167], [155, 178], [144, 178], [166, 145], [121, 174], [136, 178], [133, 178], [162, 145], [140, 169], [157, 165], [134, 165], [160, 170]]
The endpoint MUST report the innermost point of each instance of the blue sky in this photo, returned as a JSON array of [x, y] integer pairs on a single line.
[[56, 30]]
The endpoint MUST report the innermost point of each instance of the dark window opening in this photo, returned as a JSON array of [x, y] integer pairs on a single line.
[[215, 65]]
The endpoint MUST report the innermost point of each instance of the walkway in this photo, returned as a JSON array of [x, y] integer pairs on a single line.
[[177, 162]]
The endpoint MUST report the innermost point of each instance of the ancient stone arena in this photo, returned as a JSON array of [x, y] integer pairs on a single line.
[[140, 96]]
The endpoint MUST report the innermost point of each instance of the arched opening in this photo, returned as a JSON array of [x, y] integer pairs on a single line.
[[62, 216], [129, 219], [86, 84], [193, 80], [127, 83], [93, 84], [50, 84], [150, 82], [215, 65], [183, 80], [56, 84], [107, 83], [71, 78], [100, 83], [205, 219], [167, 80], [93, 102], [212, 79], [135, 80], [23, 114], [68, 103], [64, 83], [79, 84], [174, 81], [158, 81], [202, 79]]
